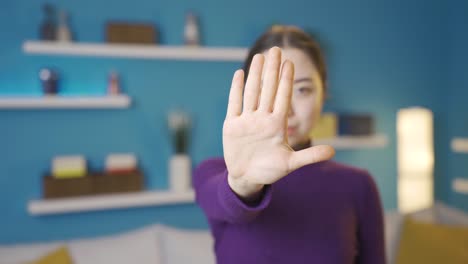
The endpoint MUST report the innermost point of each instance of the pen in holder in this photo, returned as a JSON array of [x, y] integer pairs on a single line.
[[49, 80]]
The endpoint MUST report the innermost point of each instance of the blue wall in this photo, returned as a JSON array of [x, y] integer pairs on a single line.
[[382, 56], [457, 97]]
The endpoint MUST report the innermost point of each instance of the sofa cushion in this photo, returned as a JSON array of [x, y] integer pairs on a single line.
[[186, 246], [393, 221], [140, 246]]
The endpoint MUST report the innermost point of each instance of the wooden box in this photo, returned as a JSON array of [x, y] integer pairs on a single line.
[[66, 187], [93, 184], [131, 33], [110, 183]]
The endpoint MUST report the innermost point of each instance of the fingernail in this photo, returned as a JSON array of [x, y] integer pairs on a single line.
[[275, 49], [258, 56]]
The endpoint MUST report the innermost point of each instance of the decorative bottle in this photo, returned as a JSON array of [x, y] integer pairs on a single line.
[[63, 30], [192, 32], [48, 25]]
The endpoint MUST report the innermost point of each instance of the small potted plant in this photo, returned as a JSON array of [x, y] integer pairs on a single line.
[[180, 167]]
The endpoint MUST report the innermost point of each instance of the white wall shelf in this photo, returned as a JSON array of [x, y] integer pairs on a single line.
[[355, 142], [109, 201], [460, 185], [136, 51], [63, 102], [460, 145]]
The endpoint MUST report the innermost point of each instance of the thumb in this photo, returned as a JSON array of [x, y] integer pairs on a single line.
[[310, 155]]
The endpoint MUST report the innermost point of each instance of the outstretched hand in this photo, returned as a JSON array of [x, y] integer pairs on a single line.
[[255, 141]]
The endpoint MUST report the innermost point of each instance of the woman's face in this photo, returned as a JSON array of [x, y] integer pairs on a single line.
[[307, 96]]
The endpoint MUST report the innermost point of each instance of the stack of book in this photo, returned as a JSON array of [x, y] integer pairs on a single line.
[[64, 167], [121, 163], [331, 125]]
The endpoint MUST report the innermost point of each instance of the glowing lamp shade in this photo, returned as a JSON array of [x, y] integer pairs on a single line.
[[415, 135]]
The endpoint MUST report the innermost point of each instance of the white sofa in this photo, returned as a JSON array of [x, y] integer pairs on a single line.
[[153, 244], [160, 244]]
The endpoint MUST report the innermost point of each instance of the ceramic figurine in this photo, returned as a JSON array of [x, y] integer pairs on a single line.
[[63, 30], [192, 31], [113, 86]]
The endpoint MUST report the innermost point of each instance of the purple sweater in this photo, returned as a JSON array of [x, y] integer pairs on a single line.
[[321, 213]]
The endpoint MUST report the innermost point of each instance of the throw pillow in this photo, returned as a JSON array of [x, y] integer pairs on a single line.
[[58, 256], [423, 242]]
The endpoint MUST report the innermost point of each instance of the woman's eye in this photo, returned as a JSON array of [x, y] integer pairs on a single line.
[[305, 90]]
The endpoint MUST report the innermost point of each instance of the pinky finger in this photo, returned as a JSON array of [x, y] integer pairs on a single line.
[[235, 95]]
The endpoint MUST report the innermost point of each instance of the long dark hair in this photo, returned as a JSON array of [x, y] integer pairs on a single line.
[[293, 37]]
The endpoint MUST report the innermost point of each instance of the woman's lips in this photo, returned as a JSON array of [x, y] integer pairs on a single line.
[[291, 130]]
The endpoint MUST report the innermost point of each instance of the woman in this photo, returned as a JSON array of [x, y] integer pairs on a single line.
[[275, 198]]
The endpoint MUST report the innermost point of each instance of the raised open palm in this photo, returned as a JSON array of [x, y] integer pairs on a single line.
[[255, 139]]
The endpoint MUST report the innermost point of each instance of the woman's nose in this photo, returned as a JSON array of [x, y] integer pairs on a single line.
[[291, 111]]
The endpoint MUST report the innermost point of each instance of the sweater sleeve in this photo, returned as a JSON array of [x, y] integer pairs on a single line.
[[216, 198], [371, 225]]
